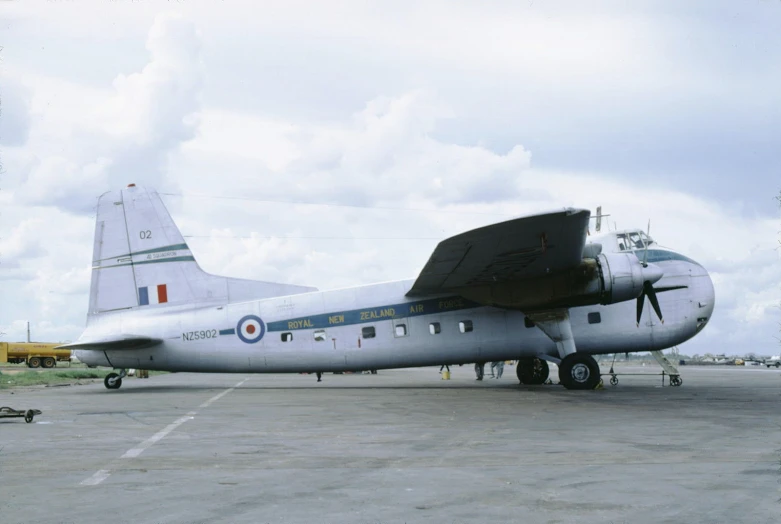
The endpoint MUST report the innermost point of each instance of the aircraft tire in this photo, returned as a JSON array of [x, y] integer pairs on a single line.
[[579, 371], [532, 371], [117, 382]]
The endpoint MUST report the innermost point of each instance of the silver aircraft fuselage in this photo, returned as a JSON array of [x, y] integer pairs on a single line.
[[332, 330]]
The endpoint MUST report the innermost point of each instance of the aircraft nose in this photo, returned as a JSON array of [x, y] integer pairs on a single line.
[[705, 295]]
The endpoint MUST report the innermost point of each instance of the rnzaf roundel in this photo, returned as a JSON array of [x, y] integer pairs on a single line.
[[250, 329]]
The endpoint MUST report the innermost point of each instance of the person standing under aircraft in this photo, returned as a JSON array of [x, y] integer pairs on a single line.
[[479, 370], [318, 376], [499, 365]]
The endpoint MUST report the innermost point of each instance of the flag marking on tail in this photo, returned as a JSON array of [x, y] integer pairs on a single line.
[[158, 295]]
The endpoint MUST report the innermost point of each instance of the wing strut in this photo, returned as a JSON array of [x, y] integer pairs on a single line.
[[556, 324]]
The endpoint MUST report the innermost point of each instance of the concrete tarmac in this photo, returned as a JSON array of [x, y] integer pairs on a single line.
[[399, 446]]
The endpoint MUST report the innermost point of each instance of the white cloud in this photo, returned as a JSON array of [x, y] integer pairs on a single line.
[[119, 136]]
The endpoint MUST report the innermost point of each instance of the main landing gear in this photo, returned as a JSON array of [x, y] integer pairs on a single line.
[[114, 380], [579, 371], [532, 371], [576, 371]]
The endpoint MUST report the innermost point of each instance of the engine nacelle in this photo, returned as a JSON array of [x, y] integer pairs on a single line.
[[606, 278], [623, 275]]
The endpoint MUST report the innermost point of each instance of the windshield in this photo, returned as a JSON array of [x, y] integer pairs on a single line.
[[633, 240]]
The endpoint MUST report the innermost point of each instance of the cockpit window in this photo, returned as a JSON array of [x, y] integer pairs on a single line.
[[633, 241], [636, 243]]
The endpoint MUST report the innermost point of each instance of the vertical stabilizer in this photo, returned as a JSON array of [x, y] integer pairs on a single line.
[[140, 259]]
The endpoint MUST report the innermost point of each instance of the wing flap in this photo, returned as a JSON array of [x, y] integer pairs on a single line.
[[515, 250], [110, 343]]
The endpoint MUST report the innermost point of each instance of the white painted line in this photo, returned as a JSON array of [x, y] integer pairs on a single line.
[[218, 397], [97, 478], [134, 452], [103, 474]]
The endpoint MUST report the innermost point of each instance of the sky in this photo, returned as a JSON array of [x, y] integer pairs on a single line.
[[334, 144]]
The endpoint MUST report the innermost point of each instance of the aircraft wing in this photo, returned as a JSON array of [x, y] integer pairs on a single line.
[[115, 342], [516, 250]]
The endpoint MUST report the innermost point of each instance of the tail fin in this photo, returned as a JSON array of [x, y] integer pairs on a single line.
[[140, 259]]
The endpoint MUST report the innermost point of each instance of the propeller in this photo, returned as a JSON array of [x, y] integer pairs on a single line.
[[648, 287]]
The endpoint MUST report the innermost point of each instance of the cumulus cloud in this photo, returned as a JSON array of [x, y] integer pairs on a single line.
[[384, 153], [126, 135]]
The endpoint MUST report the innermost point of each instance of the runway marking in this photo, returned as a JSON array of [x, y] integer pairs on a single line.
[[103, 474], [134, 452], [97, 478], [218, 397]]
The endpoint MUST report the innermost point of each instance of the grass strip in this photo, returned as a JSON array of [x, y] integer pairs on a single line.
[[55, 376], [37, 378]]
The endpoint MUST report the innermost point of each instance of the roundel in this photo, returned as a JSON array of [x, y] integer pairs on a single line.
[[250, 329]]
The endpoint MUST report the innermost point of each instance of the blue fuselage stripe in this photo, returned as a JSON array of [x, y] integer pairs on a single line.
[[375, 314]]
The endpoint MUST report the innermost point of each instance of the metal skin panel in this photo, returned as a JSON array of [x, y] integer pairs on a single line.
[[280, 333]]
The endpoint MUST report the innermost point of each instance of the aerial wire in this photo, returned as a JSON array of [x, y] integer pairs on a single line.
[[325, 204]]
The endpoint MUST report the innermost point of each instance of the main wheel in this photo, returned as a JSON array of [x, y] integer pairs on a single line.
[[532, 371], [579, 371], [34, 362], [112, 381], [29, 415], [48, 362]]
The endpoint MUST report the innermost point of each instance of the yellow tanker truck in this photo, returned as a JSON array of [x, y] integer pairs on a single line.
[[34, 354]]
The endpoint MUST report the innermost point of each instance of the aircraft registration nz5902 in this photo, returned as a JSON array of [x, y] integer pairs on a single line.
[[529, 289]]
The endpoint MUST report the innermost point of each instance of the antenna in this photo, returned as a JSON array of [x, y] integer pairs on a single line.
[[598, 217]]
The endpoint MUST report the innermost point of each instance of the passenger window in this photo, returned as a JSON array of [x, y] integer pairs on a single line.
[[368, 332], [434, 328], [287, 337], [401, 330], [320, 335], [528, 322], [594, 318], [465, 326]]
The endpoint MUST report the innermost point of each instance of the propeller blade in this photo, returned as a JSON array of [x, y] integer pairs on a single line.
[[648, 289], [640, 302]]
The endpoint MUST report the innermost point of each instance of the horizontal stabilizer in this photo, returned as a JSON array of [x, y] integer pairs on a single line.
[[109, 343]]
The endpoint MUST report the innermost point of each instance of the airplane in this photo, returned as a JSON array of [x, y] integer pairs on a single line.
[[529, 289]]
